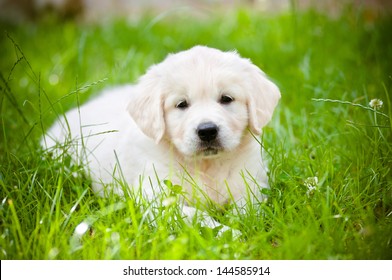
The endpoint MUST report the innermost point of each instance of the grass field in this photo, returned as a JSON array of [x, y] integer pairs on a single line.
[[330, 152]]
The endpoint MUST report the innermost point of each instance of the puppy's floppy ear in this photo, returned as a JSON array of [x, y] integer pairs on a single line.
[[263, 98], [146, 107]]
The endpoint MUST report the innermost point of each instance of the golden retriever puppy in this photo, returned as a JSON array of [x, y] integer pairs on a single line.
[[193, 119]]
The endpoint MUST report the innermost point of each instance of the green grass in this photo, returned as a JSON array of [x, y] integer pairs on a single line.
[[49, 67]]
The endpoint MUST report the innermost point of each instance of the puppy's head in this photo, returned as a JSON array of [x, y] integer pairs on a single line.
[[203, 100]]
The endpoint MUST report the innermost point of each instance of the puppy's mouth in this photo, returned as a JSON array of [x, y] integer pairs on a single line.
[[209, 149], [209, 152]]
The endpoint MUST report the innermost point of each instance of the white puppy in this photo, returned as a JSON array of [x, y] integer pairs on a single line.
[[193, 119]]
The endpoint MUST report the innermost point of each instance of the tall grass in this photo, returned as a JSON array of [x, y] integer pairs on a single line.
[[329, 151]]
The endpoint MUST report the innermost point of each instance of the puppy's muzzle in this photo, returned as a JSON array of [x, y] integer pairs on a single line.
[[209, 144], [207, 131]]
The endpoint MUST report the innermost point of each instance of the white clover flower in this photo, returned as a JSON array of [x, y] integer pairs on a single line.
[[376, 104], [311, 184]]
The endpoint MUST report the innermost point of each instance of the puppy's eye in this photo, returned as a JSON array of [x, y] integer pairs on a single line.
[[226, 99], [183, 104]]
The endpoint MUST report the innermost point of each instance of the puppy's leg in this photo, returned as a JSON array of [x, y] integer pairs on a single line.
[[190, 212]]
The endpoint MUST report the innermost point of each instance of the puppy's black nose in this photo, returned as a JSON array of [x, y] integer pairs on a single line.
[[207, 131]]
